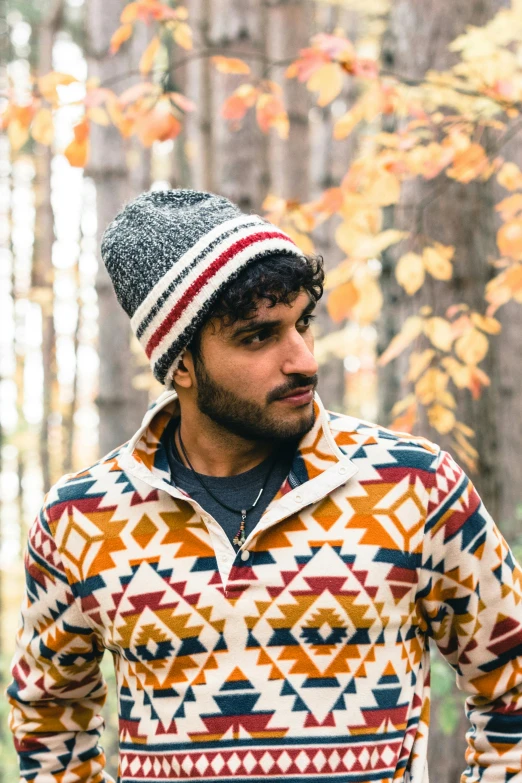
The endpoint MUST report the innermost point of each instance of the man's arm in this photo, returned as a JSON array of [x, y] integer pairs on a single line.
[[470, 593], [57, 689]]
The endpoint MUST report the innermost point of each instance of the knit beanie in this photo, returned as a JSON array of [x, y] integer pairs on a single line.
[[170, 253]]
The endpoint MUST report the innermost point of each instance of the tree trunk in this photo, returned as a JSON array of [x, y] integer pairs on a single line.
[[120, 405], [416, 41], [42, 269]]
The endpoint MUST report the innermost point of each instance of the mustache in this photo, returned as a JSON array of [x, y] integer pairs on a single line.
[[296, 383]]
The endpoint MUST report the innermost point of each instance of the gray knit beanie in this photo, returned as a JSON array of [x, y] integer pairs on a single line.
[[169, 254]]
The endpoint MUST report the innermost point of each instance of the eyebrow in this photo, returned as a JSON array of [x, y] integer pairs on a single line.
[[254, 326]]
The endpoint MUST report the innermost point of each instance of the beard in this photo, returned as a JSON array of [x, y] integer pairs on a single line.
[[248, 419]]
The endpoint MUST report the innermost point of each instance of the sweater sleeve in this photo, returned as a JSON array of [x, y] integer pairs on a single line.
[[470, 595], [57, 688]]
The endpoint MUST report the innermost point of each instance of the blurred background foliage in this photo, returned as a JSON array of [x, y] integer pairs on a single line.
[[383, 134]]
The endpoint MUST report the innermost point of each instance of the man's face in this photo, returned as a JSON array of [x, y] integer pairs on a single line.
[[246, 371]]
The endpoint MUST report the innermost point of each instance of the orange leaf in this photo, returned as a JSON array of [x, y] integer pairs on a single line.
[[510, 176], [78, 150], [18, 133], [406, 421], [437, 261], [468, 163], [489, 325], [431, 386], [230, 64], [42, 128], [341, 301], [158, 124], [271, 113], [509, 239], [510, 206], [123, 33], [47, 84], [148, 56]]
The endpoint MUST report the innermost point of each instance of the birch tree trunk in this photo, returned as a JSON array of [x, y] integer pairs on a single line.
[[120, 405], [42, 269]]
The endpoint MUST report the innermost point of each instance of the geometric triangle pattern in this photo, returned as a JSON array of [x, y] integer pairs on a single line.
[[304, 656]]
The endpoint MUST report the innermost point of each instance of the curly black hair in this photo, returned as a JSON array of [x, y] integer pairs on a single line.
[[278, 278]]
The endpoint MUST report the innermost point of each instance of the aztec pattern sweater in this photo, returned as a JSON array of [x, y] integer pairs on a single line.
[[304, 656]]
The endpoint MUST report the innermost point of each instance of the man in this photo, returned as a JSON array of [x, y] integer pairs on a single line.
[[266, 574]]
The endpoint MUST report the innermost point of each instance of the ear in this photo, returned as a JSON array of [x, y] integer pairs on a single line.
[[184, 375]]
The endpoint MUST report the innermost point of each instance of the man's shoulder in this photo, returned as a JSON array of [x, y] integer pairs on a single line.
[[365, 440], [88, 486]]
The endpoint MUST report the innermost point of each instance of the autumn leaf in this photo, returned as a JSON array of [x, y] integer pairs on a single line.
[[439, 332], [509, 239], [369, 305], [489, 325], [442, 419], [230, 64], [182, 102], [431, 385], [341, 301], [42, 128], [47, 84], [78, 150], [472, 347], [510, 176], [345, 124], [327, 81], [182, 35], [149, 55], [419, 361], [437, 261], [410, 272], [411, 329], [406, 421], [510, 206], [122, 34], [459, 373], [158, 124], [271, 113], [302, 241], [468, 164], [507, 285], [17, 133]]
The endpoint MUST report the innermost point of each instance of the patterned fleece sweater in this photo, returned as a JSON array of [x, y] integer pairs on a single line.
[[303, 656]]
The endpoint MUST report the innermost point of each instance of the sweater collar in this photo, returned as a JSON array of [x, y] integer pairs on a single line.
[[317, 451]]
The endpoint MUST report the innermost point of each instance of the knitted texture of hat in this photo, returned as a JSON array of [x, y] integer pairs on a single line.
[[169, 253]]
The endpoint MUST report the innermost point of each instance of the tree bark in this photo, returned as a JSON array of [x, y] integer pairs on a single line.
[[416, 41], [120, 405]]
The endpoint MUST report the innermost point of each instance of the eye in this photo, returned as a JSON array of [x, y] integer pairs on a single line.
[[308, 318], [259, 337]]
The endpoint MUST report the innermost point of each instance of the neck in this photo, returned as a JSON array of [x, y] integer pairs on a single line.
[[214, 451]]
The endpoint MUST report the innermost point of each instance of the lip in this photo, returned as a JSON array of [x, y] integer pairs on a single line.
[[299, 397]]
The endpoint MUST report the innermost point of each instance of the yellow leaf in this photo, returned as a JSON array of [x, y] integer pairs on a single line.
[[47, 84], [328, 81], [369, 305], [302, 241], [410, 272], [123, 33], [345, 124], [129, 13], [437, 263], [18, 133], [510, 206], [465, 429], [183, 35], [230, 64], [459, 373], [510, 176], [472, 346], [271, 113], [487, 324], [341, 301], [439, 332], [441, 419], [385, 189], [403, 404], [419, 362], [411, 329], [98, 115], [509, 239], [148, 56], [42, 128], [432, 384], [468, 163]]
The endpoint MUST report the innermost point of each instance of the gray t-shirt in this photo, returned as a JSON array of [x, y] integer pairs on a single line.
[[236, 491]]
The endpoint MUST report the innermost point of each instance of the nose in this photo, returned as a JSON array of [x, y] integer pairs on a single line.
[[299, 358]]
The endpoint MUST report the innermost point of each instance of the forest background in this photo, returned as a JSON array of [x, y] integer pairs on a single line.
[[383, 134]]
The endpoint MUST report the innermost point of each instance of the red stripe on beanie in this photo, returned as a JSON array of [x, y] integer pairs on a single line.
[[198, 284]]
